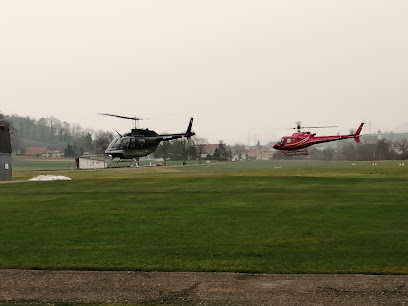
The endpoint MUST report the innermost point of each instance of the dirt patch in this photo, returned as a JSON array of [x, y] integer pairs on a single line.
[[113, 287]]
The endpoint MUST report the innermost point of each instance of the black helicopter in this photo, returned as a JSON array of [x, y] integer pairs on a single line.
[[140, 142]]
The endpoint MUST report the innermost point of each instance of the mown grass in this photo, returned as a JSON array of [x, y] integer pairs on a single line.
[[35, 164], [303, 218]]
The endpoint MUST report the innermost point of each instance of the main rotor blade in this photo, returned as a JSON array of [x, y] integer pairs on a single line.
[[314, 127], [319, 127], [123, 117]]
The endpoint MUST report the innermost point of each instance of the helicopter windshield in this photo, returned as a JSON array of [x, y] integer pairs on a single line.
[[114, 143]]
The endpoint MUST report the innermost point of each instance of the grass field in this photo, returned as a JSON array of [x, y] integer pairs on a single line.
[[21, 164], [255, 216]]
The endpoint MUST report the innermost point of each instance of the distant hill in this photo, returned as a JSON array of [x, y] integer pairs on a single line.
[[35, 143]]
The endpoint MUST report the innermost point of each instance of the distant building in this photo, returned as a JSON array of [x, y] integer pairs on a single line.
[[53, 153], [379, 135], [259, 154], [219, 151], [6, 170], [91, 163], [42, 152], [34, 151], [207, 149]]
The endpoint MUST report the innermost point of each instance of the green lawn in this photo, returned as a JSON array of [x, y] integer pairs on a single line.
[[20, 164], [267, 217]]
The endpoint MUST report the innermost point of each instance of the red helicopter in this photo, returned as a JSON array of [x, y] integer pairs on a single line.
[[297, 143]]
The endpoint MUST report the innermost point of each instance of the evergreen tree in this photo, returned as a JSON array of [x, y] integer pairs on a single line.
[[69, 151]]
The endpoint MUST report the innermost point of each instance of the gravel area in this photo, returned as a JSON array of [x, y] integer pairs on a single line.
[[114, 287]]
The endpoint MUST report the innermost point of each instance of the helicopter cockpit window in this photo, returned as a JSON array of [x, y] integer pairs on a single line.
[[282, 140], [114, 143], [124, 143], [132, 144]]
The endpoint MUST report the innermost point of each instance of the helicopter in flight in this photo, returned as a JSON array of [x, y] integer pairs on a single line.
[[297, 143], [140, 142]]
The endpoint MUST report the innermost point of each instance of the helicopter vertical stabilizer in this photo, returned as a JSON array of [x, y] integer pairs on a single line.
[[190, 125], [357, 133]]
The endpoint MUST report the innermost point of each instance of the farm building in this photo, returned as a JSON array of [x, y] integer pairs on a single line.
[[90, 163], [258, 154], [34, 151], [210, 150], [42, 152], [207, 149], [53, 153], [5, 154]]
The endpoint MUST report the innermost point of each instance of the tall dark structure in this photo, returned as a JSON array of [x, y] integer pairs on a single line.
[[5, 154]]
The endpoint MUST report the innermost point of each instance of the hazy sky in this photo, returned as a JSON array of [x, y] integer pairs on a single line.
[[240, 68]]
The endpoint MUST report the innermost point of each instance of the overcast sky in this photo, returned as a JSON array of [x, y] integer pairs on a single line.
[[242, 69]]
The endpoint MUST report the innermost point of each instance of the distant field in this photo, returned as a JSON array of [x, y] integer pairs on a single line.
[[253, 216], [35, 164], [38, 164]]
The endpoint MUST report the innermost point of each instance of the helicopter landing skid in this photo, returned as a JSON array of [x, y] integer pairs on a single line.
[[296, 152], [135, 159]]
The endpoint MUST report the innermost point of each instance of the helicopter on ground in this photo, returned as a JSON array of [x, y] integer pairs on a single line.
[[297, 143], [140, 142]]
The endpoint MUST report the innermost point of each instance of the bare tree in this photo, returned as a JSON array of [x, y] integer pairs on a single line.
[[5, 122], [163, 151], [238, 149], [102, 140], [401, 146], [383, 150], [200, 146], [76, 130], [54, 124]]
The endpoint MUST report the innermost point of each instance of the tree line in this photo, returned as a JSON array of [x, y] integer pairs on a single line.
[[71, 138], [191, 150], [75, 141]]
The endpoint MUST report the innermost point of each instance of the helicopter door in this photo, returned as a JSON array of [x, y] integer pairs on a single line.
[[132, 144]]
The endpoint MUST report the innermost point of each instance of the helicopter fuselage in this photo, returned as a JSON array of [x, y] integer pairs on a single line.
[[141, 142], [298, 142], [128, 147], [305, 139]]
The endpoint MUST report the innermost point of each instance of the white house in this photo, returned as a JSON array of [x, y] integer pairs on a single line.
[[53, 153]]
